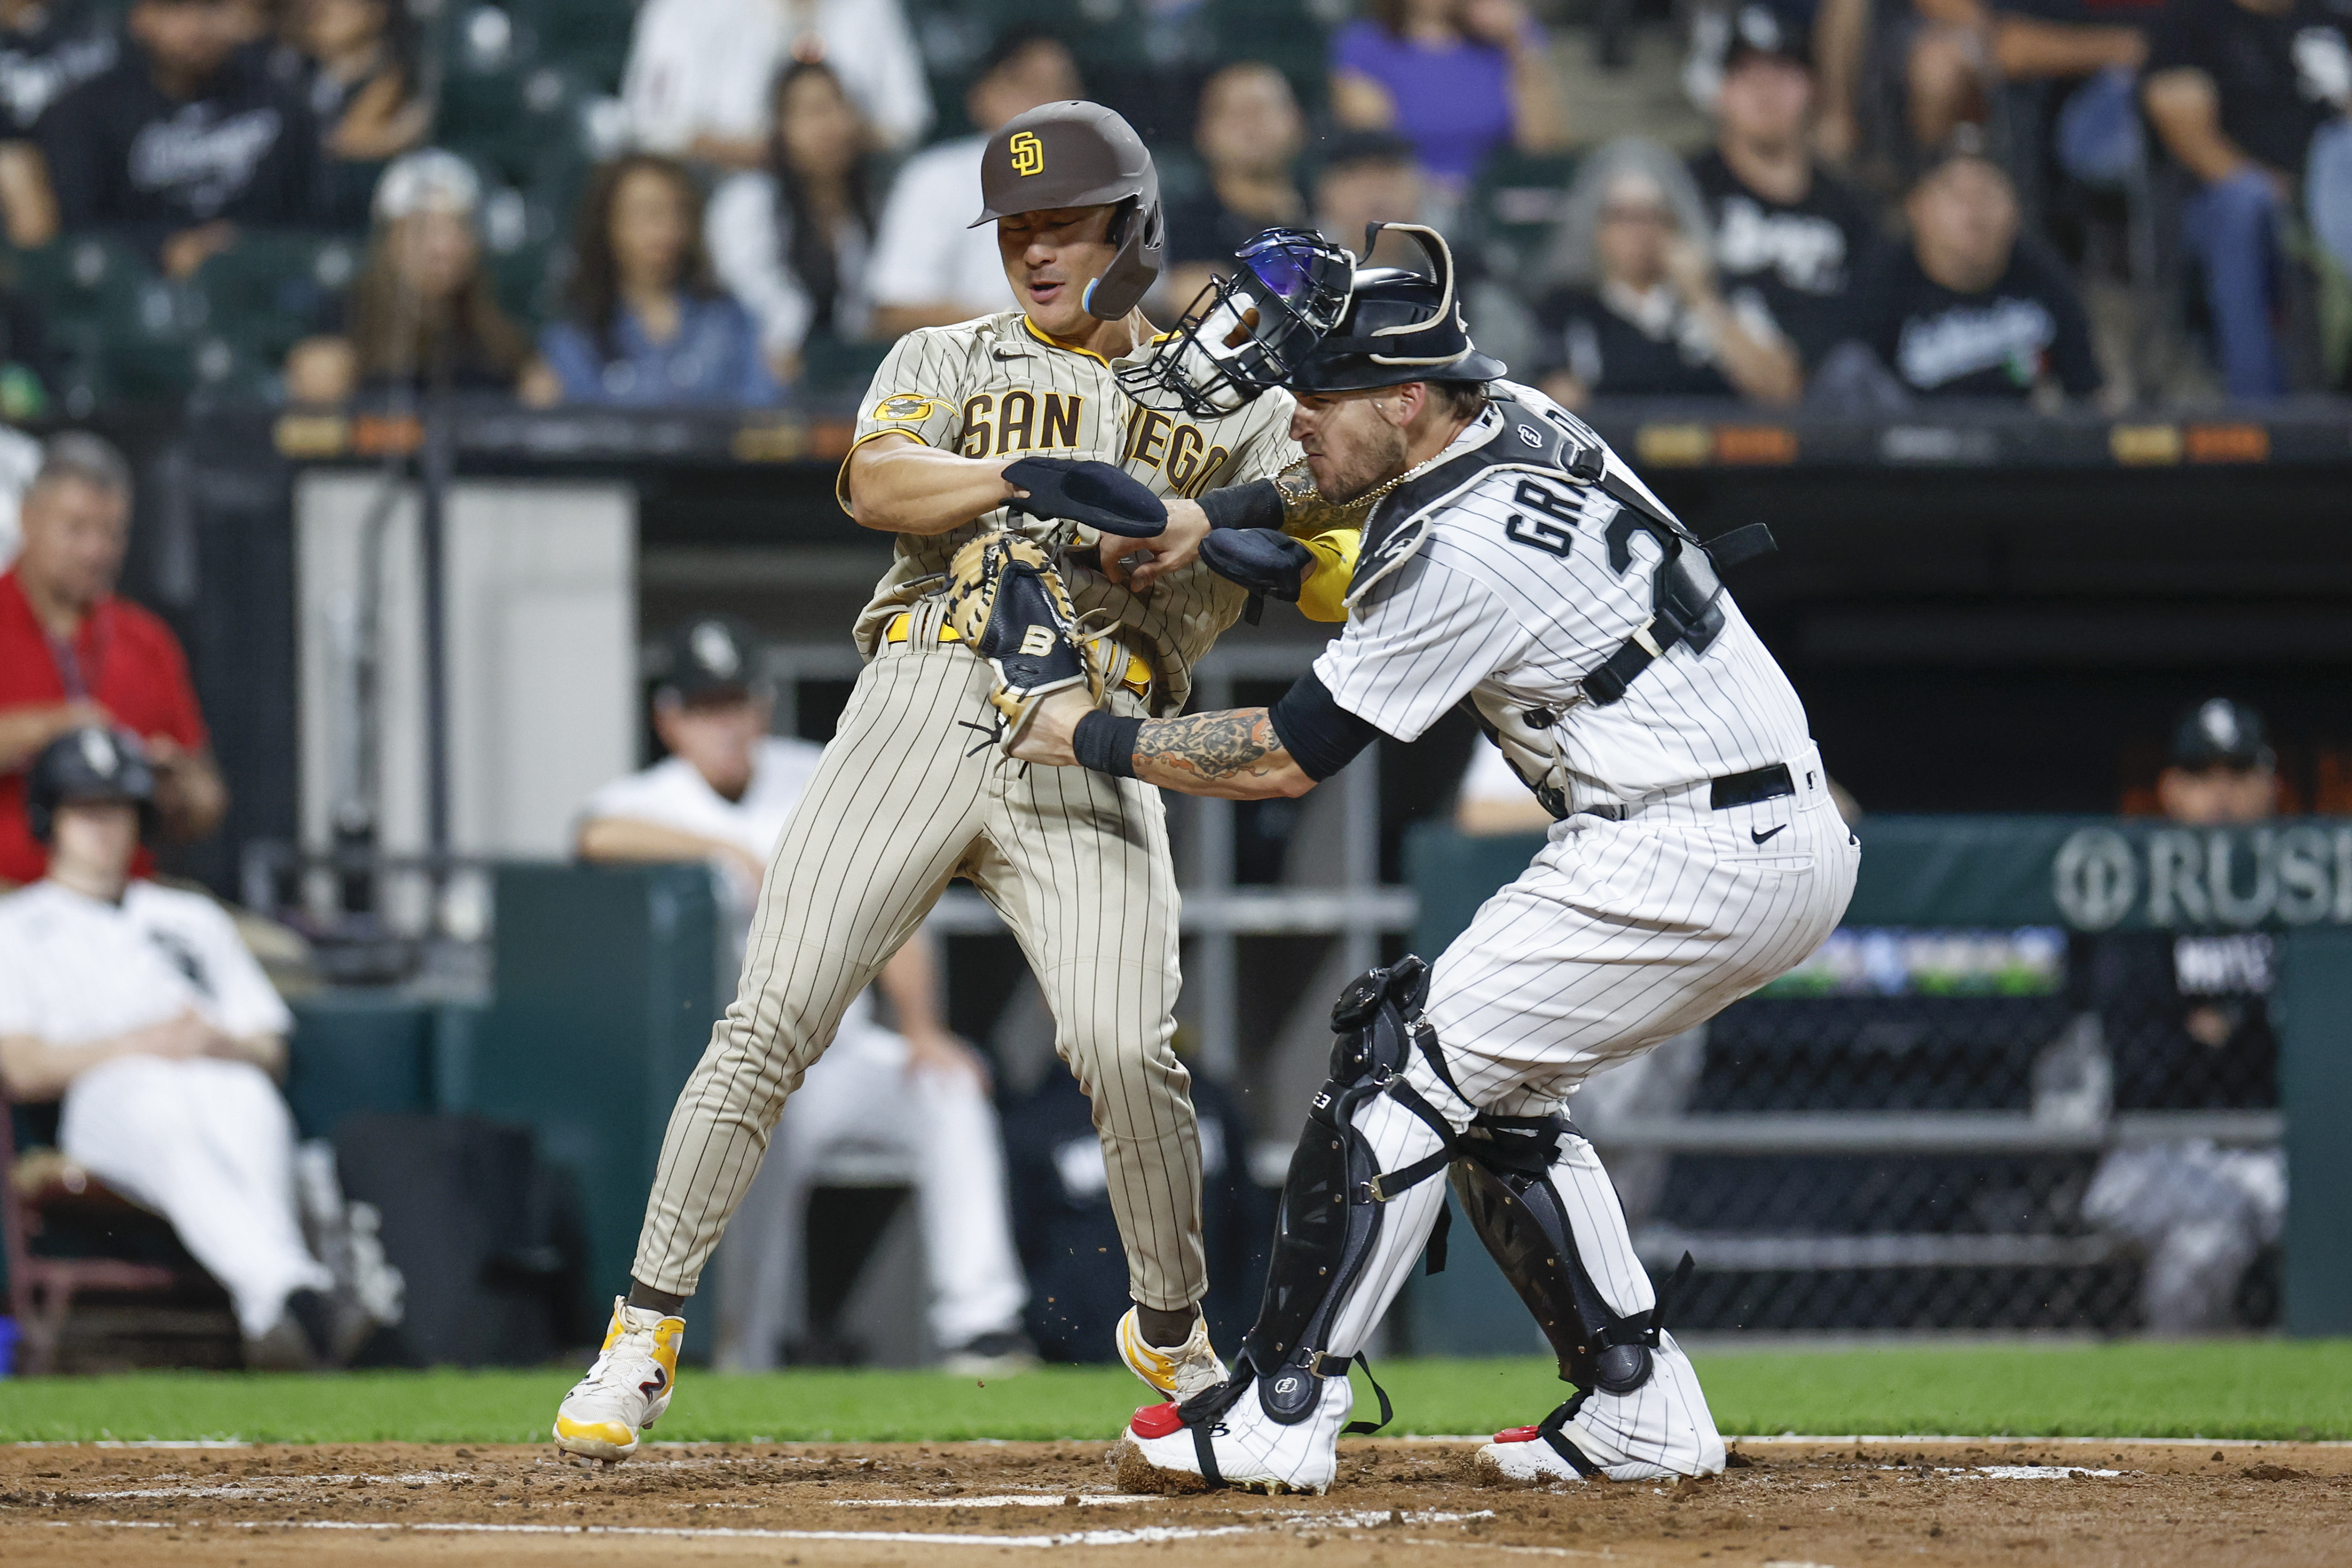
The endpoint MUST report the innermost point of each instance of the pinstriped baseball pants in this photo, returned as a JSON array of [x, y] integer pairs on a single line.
[[1077, 864]]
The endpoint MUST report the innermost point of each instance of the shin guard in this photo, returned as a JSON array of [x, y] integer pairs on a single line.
[[1537, 1195], [1356, 1208]]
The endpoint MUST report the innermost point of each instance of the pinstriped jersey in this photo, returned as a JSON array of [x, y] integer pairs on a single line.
[[1513, 595], [993, 388]]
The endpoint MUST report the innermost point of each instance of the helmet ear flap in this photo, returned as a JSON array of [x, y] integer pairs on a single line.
[[1140, 227]]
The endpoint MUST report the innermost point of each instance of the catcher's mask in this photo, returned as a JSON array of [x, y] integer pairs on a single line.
[[1400, 326], [1249, 330]]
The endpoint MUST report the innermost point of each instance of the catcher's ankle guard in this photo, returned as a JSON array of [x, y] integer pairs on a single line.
[[1504, 1184]]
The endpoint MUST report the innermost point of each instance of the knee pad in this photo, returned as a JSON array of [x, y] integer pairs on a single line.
[[1504, 1184], [1329, 1221]]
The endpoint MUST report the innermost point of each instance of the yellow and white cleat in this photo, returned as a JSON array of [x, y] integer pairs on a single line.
[[1178, 1371], [627, 1389]]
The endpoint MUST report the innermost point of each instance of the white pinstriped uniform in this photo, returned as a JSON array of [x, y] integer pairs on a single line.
[[905, 798], [1621, 932]]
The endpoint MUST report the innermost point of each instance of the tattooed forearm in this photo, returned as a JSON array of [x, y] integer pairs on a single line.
[[1234, 754]]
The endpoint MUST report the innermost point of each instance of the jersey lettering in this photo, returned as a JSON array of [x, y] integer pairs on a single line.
[[1183, 456], [1015, 419], [976, 428], [1212, 466], [1151, 434], [1014, 416], [1060, 425], [1555, 538]]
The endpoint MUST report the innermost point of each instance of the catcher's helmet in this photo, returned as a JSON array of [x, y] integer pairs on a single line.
[[91, 763], [1246, 331], [1400, 326], [1080, 154]]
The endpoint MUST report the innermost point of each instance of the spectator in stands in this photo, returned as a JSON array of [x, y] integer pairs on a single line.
[[1788, 236], [2186, 1022], [1962, 47], [930, 268], [700, 71], [1364, 177], [723, 795], [1969, 308], [1249, 136], [364, 93], [793, 241], [2250, 96], [72, 654], [139, 1007], [45, 49], [423, 313], [183, 140], [1459, 78], [1636, 311], [650, 327]]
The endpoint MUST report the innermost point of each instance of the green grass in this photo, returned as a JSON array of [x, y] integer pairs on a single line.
[[2258, 1388]]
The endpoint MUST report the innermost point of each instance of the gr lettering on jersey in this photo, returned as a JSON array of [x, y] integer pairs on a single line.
[[996, 423], [1179, 451]]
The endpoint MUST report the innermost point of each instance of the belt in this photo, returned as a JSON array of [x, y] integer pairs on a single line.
[[1135, 678], [1751, 788]]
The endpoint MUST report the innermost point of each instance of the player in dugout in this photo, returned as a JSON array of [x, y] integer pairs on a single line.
[[1513, 562], [138, 1006], [74, 654], [1010, 439]]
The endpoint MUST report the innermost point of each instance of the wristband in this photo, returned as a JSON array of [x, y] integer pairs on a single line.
[[1106, 742], [1257, 504]]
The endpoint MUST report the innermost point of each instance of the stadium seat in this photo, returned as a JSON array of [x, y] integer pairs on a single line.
[[42, 1191], [1507, 217], [274, 289], [587, 38]]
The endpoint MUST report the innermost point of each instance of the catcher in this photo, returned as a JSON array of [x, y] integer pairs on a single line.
[[1026, 489]]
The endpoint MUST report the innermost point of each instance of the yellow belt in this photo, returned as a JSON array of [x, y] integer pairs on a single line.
[[1137, 679]]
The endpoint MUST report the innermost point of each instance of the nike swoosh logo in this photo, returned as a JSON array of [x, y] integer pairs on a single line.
[[1761, 838]]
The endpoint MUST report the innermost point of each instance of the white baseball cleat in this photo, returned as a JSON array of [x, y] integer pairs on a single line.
[[627, 1389], [1247, 1449], [1521, 1454], [1178, 1371]]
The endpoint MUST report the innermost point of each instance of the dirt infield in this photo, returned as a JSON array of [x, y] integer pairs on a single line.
[[1794, 1504]]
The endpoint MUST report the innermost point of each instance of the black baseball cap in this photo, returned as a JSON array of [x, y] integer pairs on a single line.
[[90, 763], [1348, 149], [2221, 734], [712, 658], [1764, 31]]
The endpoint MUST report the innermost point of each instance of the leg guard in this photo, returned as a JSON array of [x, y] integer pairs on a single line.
[[1538, 1197], [1356, 1209]]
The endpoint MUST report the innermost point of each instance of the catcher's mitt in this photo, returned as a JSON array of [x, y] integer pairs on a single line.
[[1006, 601]]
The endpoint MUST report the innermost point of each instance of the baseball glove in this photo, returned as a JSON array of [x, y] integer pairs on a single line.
[[1103, 497], [1007, 603]]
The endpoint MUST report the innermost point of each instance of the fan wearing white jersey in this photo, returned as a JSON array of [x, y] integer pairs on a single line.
[[1513, 560]]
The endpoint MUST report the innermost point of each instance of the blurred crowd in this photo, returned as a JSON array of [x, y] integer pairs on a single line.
[[732, 203]]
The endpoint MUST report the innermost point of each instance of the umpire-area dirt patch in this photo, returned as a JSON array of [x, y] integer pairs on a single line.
[[1784, 1504]]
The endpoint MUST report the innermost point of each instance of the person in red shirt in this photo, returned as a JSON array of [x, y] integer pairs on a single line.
[[72, 654]]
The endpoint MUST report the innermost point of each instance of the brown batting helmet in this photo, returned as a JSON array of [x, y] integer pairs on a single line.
[[1079, 154]]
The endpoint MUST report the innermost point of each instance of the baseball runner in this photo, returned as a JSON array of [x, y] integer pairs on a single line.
[[1512, 559], [951, 456]]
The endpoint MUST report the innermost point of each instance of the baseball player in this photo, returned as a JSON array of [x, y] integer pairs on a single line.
[[1006, 443], [1513, 560], [139, 1008]]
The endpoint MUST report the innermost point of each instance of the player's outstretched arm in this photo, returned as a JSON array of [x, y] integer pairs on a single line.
[[1233, 754], [897, 485], [1241, 753]]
